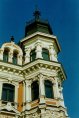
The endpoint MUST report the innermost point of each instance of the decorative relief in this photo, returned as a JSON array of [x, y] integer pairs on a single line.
[[40, 76], [47, 114]]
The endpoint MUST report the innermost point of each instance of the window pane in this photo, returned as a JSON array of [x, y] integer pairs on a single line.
[[8, 92], [32, 55], [48, 92], [11, 96], [15, 58], [5, 56], [4, 95], [48, 89], [35, 91], [45, 54]]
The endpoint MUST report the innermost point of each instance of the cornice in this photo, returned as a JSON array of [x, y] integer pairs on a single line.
[[44, 66], [39, 65], [44, 35], [37, 33]]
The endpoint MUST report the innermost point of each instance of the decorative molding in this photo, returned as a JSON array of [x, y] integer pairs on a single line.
[[9, 108]]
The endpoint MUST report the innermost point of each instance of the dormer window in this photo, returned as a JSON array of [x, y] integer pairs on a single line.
[[6, 55], [32, 55], [8, 92], [45, 54]]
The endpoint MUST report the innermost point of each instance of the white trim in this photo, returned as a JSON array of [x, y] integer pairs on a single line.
[[38, 33]]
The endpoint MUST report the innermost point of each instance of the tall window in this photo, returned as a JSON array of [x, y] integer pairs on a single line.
[[48, 89], [8, 92], [32, 55], [6, 55], [35, 90], [15, 58], [45, 54]]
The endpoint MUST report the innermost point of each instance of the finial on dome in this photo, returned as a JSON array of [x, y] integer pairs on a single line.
[[12, 39], [37, 13]]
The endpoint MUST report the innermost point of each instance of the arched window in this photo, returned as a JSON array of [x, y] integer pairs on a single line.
[[35, 90], [48, 89], [6, 55], [45, 54], [15, 58], [8, 92], [32, 55]]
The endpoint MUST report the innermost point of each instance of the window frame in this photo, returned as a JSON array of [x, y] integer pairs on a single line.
[[15, 58], [45, 54], [6, 55], [8, 92], [32, 55], [49, 89], [35, 90]]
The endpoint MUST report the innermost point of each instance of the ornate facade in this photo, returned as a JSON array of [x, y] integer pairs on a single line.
[[30, 75]]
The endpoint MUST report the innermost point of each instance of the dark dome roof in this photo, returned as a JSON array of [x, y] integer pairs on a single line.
[[37, 24]]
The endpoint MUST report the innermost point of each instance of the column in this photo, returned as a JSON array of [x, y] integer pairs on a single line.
[[41, 88], [1, 84], [28, 94], [60, 91], [10, 56], [19, 59], [1, 54], [28, 91], [53, 53], [61, 97], [16, 96], [27, 56], [38, 50], [55, 87]]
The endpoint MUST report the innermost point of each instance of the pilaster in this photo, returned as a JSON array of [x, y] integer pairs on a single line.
[[1, 54], [52, 52], [41, 88], [38, 50], [16, 96], [27, 55], [10, 56], [28, 94], [61, 97], [1, 84], [19, 59], [55, 87]]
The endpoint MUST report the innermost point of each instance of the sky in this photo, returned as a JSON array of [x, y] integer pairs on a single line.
[[63, 16]]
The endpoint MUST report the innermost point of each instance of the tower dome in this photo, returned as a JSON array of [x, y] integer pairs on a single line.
[[37, 25]]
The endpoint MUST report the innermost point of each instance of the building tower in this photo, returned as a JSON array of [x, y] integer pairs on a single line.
[[43, 73], [31, 76]]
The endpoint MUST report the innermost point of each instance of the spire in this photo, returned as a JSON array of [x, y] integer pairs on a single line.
[[37, 13]]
